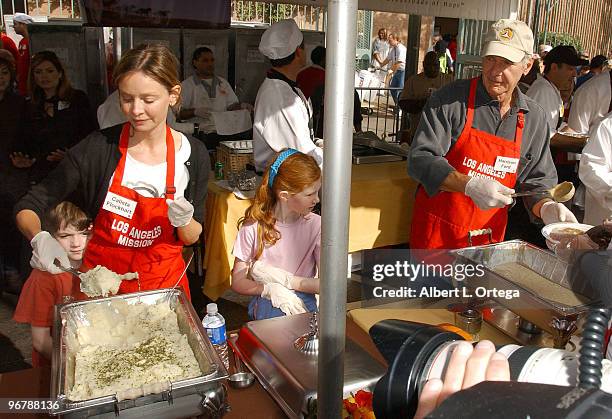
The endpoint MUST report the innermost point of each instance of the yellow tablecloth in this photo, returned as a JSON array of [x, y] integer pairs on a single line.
[[382, 198], [366, 318]]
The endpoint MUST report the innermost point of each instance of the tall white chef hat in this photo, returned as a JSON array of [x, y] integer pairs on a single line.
[[22, 18], [281, 39]]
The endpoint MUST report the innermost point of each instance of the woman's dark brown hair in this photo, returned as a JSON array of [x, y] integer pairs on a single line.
[[7, 60], [64, 89]]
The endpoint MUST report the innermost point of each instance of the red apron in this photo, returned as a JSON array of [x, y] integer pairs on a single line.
[[444, 220], [146, 242]]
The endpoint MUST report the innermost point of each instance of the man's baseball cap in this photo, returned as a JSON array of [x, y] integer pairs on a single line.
[[509, 39], [22, 18], [598, 61], [281, 39], [564, 54]]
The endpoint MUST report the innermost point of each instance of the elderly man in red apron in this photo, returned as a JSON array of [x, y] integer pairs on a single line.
[[478, 140]]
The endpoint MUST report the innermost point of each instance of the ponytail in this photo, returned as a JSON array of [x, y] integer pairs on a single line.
[[294, 174]]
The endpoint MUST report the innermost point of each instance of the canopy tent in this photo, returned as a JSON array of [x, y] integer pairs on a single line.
[[466, 9]]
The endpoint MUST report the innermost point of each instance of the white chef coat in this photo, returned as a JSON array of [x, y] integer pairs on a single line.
[[194, 95], [548, 97], [109, 114], [398, 53], [596, 172], [590, 104], [281, 121]]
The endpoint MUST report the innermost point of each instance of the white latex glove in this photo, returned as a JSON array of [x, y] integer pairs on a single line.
[[267, 274], [202, 112], [555, 212], [487, 193], [319, 142], [283, 299], [45, 249], [180, 211]]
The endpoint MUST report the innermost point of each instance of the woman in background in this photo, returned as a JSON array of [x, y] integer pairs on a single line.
[[56, 117]]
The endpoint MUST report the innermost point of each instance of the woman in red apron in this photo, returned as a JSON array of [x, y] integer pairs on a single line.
[[443, 221], [139, 181], [133, 233]]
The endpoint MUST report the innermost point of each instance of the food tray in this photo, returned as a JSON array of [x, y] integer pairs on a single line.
[[238, 146], [290, 376], [69, 316], [532, 307]]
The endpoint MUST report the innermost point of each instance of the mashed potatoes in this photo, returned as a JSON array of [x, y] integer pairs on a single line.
[[129, 349], [100, 281]]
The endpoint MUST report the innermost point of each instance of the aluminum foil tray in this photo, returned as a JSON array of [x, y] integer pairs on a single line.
[[535, 308], [190, 396], [238, 146], [290, 376]]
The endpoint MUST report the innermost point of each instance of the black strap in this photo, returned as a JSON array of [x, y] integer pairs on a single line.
[[275, 75], [610, 106]]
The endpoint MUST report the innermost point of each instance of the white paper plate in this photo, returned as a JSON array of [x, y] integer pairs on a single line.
[[548, 229]]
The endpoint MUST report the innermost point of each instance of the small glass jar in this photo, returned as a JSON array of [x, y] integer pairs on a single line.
[[470, 320]]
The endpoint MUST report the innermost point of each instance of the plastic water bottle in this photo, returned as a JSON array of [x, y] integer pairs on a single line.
[[214, 323]]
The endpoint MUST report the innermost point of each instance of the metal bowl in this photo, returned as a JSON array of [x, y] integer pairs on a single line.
[[241, 380]]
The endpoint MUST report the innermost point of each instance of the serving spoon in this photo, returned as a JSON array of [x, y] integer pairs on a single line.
[[562, 192]]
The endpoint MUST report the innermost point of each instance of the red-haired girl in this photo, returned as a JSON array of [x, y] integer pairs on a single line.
[[279, 240]]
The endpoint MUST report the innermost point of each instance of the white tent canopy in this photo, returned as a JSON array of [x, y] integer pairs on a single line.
[[466, 9]]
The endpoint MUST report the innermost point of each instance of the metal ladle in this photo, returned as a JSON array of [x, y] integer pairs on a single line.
[[240, 379], [562, 192]]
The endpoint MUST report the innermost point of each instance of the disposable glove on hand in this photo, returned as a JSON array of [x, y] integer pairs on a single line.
[[267, 274], [283, 299], [202, 112], [180, 211], [45, 249], [487, 193], [555, 212]]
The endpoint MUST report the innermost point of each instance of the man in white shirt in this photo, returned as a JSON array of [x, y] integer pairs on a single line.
[[397, 59], [559, 73], [206, 100], [591, 103], [283, 116]]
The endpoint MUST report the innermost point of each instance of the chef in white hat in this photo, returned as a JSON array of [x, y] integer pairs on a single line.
[[20, 25], [283, 116]]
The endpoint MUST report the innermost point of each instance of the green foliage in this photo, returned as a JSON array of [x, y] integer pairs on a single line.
[[555, 38]]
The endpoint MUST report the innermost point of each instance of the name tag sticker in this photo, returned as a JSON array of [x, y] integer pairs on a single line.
[[119, 205], [506, 164]]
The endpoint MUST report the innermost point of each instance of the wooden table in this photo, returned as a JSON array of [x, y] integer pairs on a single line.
[[382, 199], [245, 403]]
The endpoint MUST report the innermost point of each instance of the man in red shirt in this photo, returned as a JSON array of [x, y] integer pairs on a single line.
[[7, 43], [20, 24], [313, 76]]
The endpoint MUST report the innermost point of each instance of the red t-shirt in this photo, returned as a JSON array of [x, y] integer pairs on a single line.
[[23, 66], [9, 45], [309, 79], [41, 292]]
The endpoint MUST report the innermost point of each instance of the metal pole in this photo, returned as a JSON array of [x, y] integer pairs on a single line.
[[536, 24], [338, 132]]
